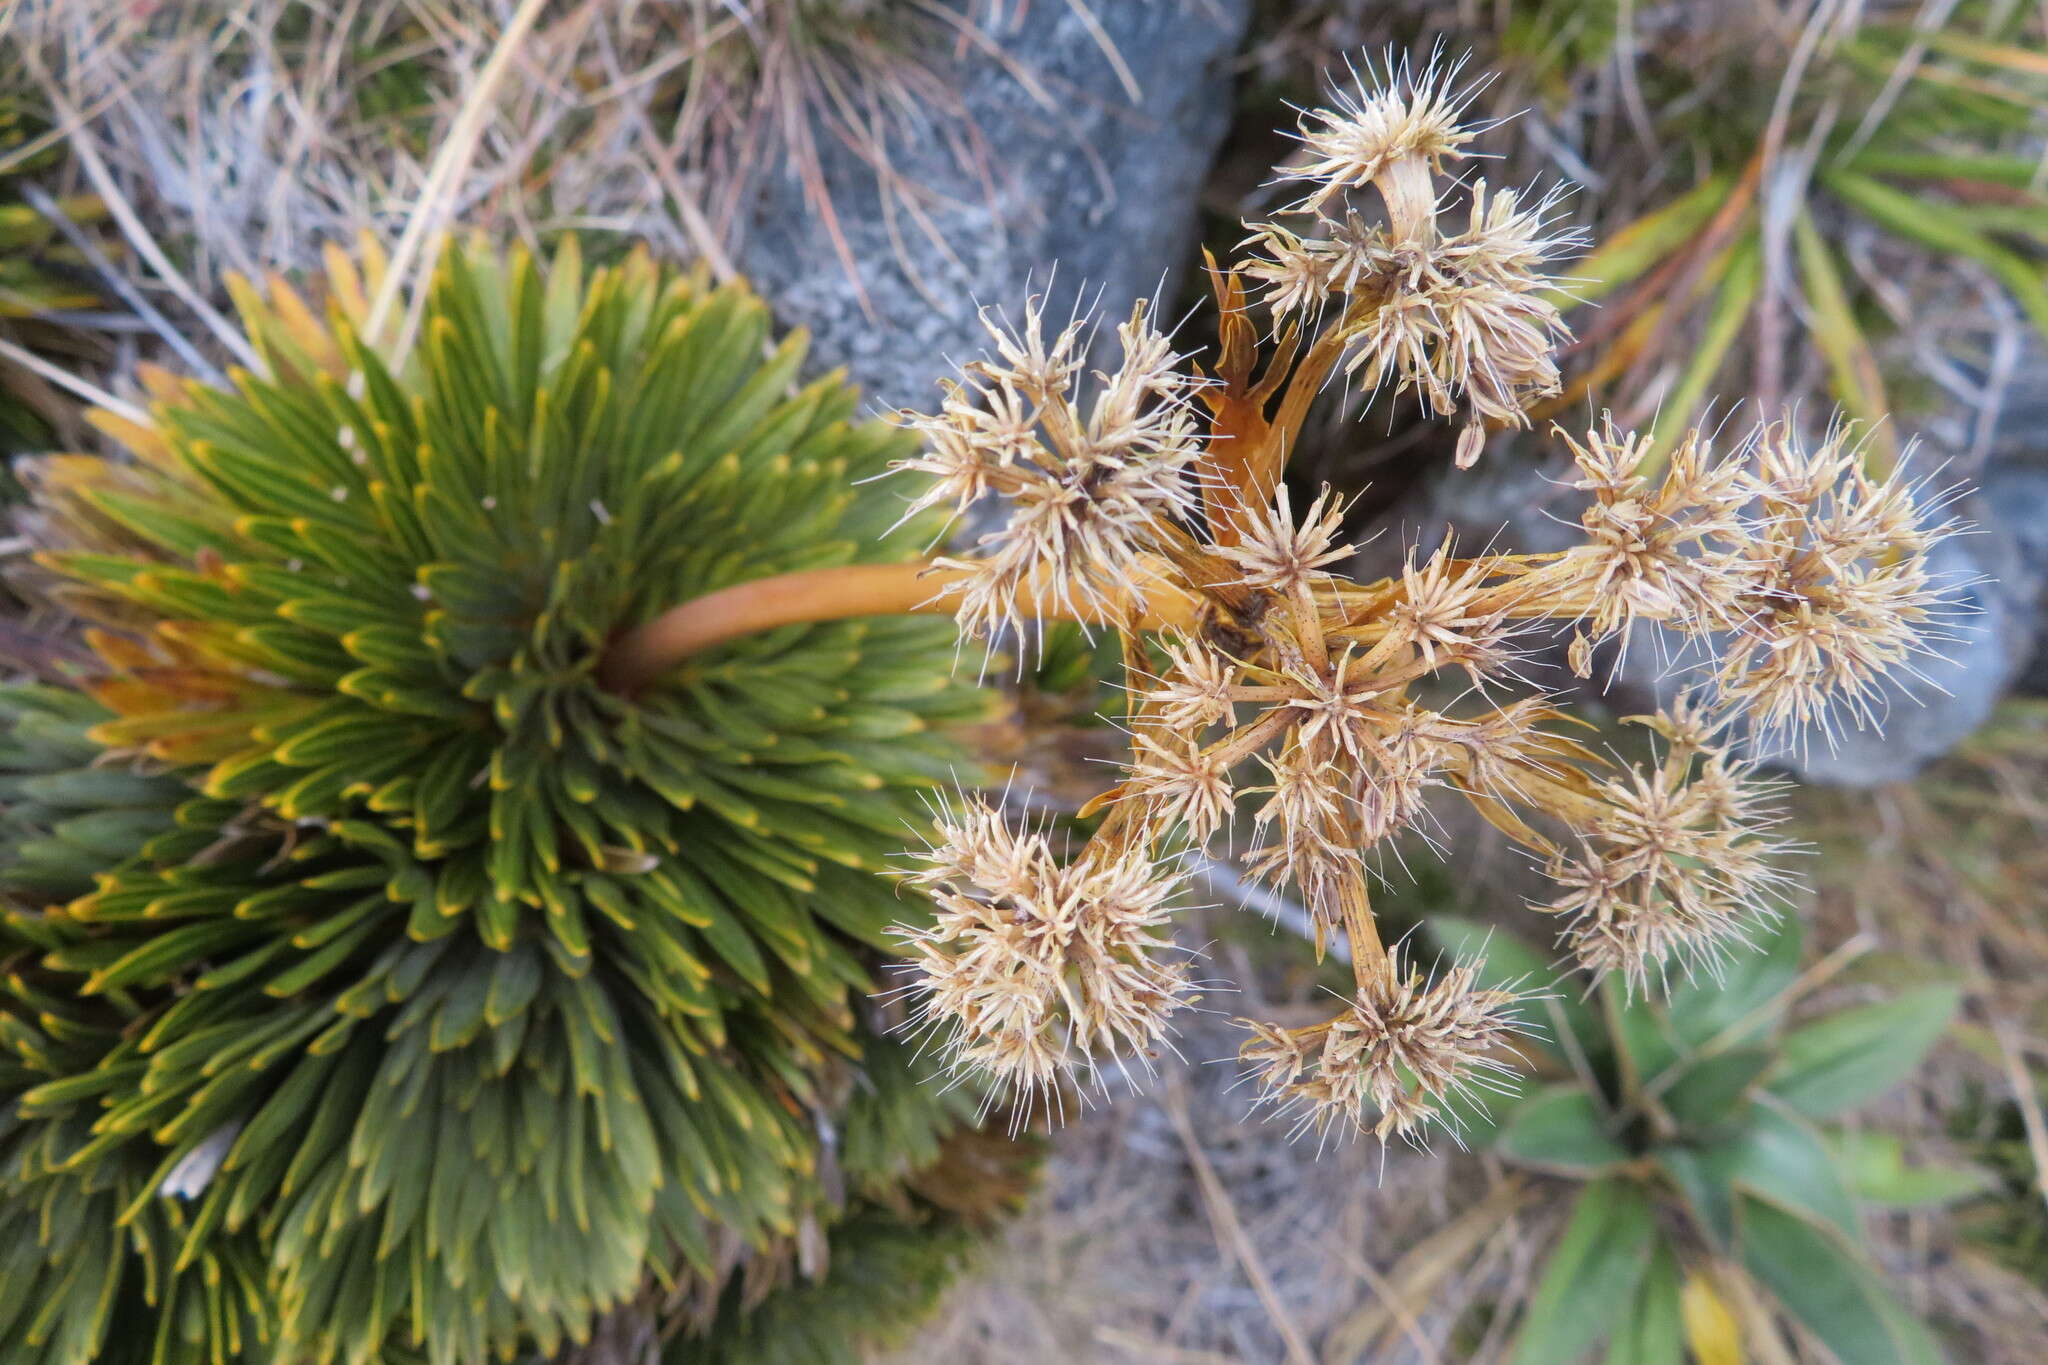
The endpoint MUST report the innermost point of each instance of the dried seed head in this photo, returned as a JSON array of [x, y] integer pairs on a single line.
[[1182, 783], [1498, 747], [1807, 574], [1508, 240], [1194, 691], [1645, 539], [1337, 714], [1297, 273], [1445, 607], [1677, 868], [1280, 554], [1039, 369], [1467, 317], [976, 847], [1367, 131], [1088, 498], [1388, 1063], [1315, 847], [1489, 344], [1832, 586], [1049, 970]]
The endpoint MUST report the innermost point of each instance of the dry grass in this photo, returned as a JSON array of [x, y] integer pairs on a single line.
[[1172, 1228], [239, 136]]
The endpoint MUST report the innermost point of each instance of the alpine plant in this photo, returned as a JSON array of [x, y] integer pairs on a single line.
[[1284, 712], [380, 983]]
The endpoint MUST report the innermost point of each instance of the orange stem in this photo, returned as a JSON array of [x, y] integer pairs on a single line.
[[644, 653]]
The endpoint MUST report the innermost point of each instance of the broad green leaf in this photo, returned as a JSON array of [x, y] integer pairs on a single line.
[[1874, 1164], [1653, 1332], [1590, 1281], [1854, 1055], [1775, 1155], [1560, 1128], [1710, 1092], [1643, 1039], [1782, 1158], [1702, 1178], [1835, 1297], [1746, 993]]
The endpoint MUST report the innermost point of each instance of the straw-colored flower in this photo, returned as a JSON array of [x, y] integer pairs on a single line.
[[1043, 967], [1370, 130], [1802, 571], [1403, 1048]]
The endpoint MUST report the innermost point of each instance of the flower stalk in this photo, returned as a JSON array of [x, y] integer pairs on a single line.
[[1157, 509], [646, 653]]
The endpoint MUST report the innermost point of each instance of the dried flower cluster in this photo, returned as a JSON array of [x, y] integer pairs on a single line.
[[1459, 314], [1087, 490], [1390, 1060], [1327, 710], [1038, 967]]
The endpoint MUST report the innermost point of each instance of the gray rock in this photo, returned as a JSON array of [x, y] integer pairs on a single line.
[[1094, 196]]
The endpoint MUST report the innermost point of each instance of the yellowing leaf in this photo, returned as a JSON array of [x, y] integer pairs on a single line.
[[1710, 1329]]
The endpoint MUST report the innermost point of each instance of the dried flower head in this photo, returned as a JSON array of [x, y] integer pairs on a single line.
[[1832, 588], [1182, 783], [1197, 688], [1298, 273], [1403, 1050], [1088, 492], [1283, 554], [1649, 534], [1675, 866], [1368, 132], [1800, 568], [1469, 317], [1032, 968]]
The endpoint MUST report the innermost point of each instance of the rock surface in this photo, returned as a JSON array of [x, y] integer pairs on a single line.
[[1081, 191]]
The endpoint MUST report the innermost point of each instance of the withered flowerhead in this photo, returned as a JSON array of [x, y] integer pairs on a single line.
[[1387, 121], [1089, 488], [1032, 967], [1404, 1049], [1466, 318], [1257, 669]]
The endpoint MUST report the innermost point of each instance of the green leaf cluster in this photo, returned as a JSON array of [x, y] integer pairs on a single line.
[[1914, 123], [375, 985], [1697, 1125]]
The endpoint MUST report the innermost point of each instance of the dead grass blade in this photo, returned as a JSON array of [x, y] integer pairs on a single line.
[[1416, 1275], [453, 158], [2026, 1095], [1229, 1228], [84, 147]]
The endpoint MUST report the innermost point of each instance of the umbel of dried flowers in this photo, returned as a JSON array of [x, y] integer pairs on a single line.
[[1261, 679]]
